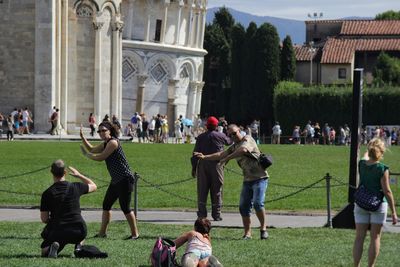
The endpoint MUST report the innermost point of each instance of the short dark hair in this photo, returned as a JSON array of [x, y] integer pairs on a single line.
[[58, 168], [202, 225]]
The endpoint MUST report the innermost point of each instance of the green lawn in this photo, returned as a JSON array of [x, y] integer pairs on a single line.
[[20, 243], [166, 163]]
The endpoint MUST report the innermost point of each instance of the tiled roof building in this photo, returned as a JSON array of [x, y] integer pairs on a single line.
[[339, 46]]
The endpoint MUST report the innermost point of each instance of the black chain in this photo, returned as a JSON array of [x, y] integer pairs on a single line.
[[25, 173]]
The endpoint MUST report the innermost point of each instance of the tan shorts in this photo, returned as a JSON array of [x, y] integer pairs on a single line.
[[376, 217]]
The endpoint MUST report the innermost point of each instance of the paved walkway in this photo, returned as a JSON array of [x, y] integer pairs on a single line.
[[186, 218]]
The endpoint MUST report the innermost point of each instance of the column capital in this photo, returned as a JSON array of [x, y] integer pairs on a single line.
[[200, 86], [193, 84], [142, 78], [97, 25], [173, 82], [118, 25]]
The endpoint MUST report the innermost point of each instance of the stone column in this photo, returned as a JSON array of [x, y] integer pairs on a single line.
[[172, 109], [200, 86], [191, 99], [64, 65], [129, 23], [164, 23], [141, 79], [45, 78], [178, 24], [116, 99], [190, 25], [193, 30], [97, 25], [199, 25], [147, 33], [203, 27]]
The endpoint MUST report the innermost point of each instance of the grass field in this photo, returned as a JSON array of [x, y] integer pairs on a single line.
[[160, 164], [20, 243]]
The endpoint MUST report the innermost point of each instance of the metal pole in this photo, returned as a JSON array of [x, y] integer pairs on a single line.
[[328, 199], [135, 202]]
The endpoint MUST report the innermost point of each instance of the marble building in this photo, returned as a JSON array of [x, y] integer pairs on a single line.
[[101, 57]]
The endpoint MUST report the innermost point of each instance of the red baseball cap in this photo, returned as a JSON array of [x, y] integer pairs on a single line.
[[212, 121]]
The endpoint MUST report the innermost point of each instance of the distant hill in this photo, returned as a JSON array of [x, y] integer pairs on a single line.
[[295, 28]]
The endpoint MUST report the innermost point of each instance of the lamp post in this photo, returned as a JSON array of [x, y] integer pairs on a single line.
[[311, 50]]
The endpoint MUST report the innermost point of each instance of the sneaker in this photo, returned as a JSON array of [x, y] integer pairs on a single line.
[[100, 236], [53, 250], [264, 234], [131, 237], [217, 218], [246, 237]]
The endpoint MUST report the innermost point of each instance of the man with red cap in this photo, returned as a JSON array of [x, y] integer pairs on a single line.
[[210, 174]]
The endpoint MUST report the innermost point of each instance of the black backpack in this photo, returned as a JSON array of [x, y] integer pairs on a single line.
[[88, 251]]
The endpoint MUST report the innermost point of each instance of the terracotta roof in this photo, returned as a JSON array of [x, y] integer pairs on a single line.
[[303, 53], [324, 21], [342, 50], [370, 27]]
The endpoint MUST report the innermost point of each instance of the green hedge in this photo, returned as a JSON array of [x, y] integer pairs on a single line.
[[295, 105]]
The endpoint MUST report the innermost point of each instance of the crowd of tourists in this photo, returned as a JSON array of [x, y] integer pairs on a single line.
[[19, 121]]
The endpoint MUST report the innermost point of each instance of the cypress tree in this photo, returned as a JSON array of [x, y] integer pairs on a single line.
[[248, 92], [237, 52], [267, 73], [288, 60]]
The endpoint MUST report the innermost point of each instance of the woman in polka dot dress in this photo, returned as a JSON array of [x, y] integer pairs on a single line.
[[122, 179]]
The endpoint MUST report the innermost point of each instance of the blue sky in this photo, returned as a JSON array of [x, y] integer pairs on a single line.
[[298, 9]]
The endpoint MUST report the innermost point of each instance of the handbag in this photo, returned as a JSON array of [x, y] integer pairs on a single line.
[[265, 160], [367, 199]]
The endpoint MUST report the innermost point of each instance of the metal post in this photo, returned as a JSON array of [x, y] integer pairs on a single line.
[[135, 201], [328, 199]]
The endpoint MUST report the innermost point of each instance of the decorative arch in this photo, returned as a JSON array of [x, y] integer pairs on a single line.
[[190, 66], [90, 3], [111, 5], [132, 64], [157, 65]]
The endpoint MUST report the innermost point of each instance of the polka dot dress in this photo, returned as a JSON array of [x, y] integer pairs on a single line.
[[117, 165]]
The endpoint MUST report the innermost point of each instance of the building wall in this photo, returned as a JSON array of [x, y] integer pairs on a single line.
[[17, 54], [329, 73], [303, 70], [320, 31]]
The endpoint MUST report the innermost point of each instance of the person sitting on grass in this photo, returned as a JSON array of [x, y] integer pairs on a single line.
[[60, 210], [198, 249]]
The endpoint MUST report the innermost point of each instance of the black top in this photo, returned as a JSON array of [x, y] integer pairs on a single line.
[[117, 164], [63, 204]]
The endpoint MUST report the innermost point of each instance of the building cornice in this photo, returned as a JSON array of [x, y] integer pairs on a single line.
[[163, 47]]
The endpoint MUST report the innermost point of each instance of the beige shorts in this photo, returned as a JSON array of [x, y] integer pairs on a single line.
[[376, 217]]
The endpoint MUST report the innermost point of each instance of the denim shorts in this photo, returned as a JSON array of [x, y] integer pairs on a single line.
[[366, 217], [252, 195]]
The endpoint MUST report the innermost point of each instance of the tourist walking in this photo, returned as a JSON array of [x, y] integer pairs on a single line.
[[122, 179], [374, 175], [92, 124]]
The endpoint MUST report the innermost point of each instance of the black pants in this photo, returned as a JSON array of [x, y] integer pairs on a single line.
[[64, 234], [92, 129], [121, 191]]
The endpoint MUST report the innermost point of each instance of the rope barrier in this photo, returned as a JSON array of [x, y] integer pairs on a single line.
[[25, 173]]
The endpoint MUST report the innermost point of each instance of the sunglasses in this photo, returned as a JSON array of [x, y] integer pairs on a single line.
[[102, 131], [232, 134]]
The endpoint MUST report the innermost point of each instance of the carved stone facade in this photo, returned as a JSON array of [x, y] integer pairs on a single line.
[[70, 54]]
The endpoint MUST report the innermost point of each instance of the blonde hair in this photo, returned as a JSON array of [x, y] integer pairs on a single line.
[[376, 148]]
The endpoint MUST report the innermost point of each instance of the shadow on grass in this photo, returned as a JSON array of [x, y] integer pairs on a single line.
[[29, 256], [17, 237]]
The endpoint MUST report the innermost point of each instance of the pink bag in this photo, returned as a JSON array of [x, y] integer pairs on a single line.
[[163, 254]]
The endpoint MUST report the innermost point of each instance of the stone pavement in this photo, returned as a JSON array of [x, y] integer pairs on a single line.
[[187, 218]]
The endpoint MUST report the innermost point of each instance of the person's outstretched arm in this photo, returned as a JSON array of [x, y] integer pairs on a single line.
[[88, 146], [108, 150], [74, 172], [183, 238]]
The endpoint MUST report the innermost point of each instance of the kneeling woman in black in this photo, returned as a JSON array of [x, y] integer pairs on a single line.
[[122, 179]]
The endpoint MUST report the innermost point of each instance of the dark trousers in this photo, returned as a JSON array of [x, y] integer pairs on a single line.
[[210, 178], [64, 234]]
